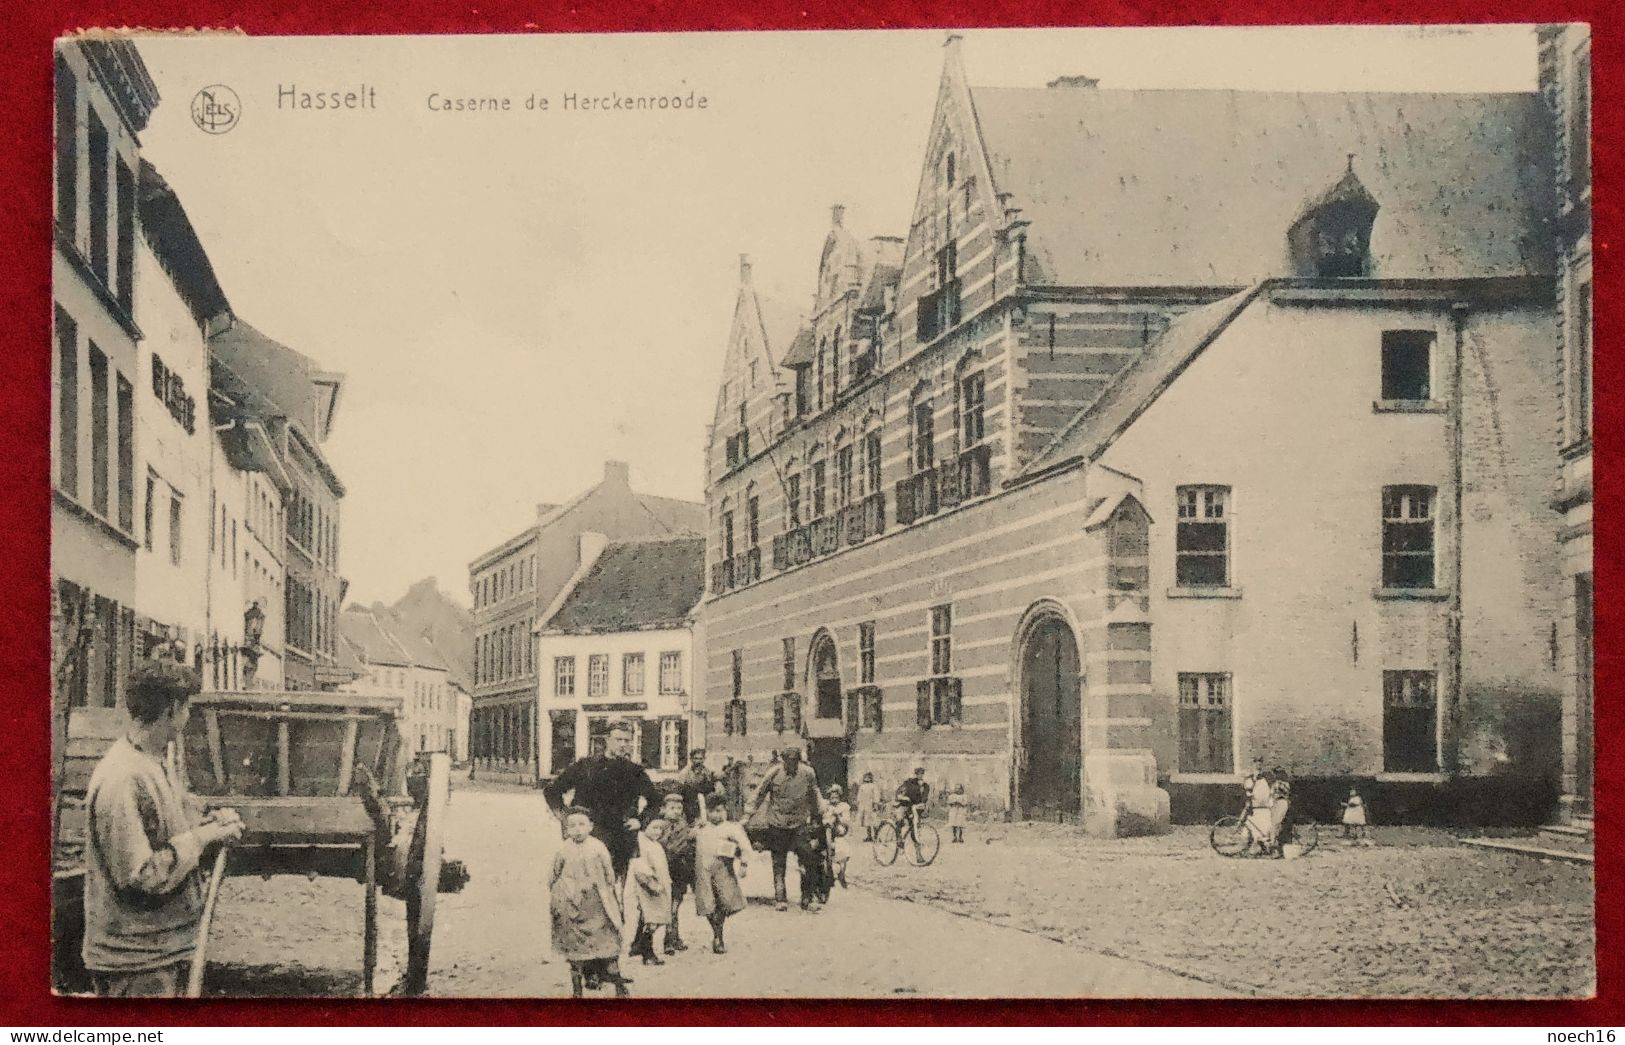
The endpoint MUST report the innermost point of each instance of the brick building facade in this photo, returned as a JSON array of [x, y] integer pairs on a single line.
[[1040, 500]]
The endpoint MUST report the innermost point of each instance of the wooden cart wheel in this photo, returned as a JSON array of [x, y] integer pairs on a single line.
[[424, 858]]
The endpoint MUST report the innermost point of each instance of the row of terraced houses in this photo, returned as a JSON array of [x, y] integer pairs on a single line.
[[1179, 429], [194, 513]]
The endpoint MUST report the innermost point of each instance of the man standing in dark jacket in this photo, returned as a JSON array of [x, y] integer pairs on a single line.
[[615, 790]]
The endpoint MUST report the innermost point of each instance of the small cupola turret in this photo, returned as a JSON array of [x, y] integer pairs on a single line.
[[1331, 239]]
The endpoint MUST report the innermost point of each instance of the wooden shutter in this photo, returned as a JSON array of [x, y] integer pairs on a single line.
[[877, 708], [793, 702], [922, 703], [851, 711], [651, 743], [682, 741], [953, 699], [740, 705], [778, 713]]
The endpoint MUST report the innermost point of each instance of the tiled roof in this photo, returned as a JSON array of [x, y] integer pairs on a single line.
[[1142, 381], [370, 639], [176, 243], [284, 375], [636, 585], [1198, 188]]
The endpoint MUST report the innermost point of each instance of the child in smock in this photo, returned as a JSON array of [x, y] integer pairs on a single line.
[[1354, 816], [586, 911], [838, 822], [648, 887], [721, 855]]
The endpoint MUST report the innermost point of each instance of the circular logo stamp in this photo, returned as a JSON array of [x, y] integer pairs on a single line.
[[216, 109]]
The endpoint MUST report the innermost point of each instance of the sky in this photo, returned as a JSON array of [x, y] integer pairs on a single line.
[[516, 296]]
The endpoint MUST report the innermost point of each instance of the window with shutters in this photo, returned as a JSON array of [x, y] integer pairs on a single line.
[[564, 676], [1410, 722], [632, 674], [866, 653], [1202, 541], [843, 476], [787, 713], [871, 462], [938, 698], [1205, 723], [792, 501], [1407, 536], [789, 663]]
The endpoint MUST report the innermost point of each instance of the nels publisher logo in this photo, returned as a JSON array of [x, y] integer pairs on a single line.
[[216, 109]]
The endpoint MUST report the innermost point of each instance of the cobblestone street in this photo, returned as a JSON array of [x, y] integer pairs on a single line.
[[1417, 915], [492, 939]]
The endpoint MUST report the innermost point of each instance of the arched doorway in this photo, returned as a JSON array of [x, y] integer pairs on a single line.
[[827, 745], [1049, 781]]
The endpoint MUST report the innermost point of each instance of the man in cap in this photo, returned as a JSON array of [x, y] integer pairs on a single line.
[[790, 791], [614, 789], [699, 784]]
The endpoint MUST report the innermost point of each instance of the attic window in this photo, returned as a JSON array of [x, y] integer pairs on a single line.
[[1341, 247]]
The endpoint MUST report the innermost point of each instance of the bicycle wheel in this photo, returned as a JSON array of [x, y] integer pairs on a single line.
[[1230, 836], [1306, 834], [886, 844], [927, 843]]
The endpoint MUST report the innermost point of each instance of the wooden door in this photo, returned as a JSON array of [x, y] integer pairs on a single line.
[[1052, 716]]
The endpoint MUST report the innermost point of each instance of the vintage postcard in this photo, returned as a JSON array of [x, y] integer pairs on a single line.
[[989, 514]]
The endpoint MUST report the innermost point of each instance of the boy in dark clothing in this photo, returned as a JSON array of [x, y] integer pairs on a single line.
[[679, 843]]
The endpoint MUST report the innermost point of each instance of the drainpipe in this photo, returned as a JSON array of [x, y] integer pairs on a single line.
[[1453, 714]]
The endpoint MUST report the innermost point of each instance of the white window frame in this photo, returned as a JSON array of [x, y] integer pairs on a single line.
[[628, 675], [671, 673], [598, 674], [1203, 498], [564, 676]]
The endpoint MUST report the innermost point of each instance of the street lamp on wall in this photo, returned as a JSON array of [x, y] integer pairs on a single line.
[[253, 628]]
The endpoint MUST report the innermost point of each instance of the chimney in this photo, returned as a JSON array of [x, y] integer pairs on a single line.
[[591, 546], [744, 268], [617, 473], [836, 214]]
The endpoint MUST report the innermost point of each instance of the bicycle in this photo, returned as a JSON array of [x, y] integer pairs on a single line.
[[1232, 836], [890, 835]]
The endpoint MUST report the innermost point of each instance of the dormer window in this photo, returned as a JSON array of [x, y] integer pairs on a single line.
[[1332, 237]]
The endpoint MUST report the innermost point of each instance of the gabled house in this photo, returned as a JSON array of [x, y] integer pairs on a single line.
[[617, 645], [1199, 431], [513, 583]]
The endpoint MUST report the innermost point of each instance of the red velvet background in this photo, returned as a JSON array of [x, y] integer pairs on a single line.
[[25, 130]]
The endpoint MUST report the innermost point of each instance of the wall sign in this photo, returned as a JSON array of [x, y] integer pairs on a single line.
[[171, 391]]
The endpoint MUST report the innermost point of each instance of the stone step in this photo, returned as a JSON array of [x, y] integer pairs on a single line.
[[1533, 847], [1567, 831]]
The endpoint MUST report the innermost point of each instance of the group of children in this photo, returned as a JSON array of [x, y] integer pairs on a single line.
[[591, 914]]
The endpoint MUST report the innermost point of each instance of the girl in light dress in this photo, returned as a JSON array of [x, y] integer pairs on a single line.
[[648, 889], [956, 812], [1354, 816]]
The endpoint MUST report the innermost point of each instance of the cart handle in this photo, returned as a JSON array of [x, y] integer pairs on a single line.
[[200, 960]]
